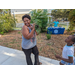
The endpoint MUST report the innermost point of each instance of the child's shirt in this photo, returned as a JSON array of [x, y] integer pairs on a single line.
[[68, 51], [56, 23]]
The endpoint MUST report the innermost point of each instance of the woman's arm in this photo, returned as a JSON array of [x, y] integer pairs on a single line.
[[31, 27], [70, 60], [25, 32], [36, 32]]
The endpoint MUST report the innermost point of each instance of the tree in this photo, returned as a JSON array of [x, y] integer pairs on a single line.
[[10, 11], [60, 13], [7, 22], [54, 13], [72, 19]]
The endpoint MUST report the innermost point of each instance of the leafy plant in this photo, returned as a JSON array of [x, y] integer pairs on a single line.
[[7, 22], [40, 18], [2, 33], [48, 36]]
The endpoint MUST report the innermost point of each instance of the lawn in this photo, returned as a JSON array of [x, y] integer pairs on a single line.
[[47, 48], [63, 25]]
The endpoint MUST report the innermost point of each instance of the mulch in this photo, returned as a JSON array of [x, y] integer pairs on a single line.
[[47, 48]]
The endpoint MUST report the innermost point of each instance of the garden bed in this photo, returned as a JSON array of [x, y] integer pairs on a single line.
[[47, 48]]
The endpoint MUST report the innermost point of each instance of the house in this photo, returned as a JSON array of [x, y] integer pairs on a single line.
[[20, 11], [23, 11], [26, 11]]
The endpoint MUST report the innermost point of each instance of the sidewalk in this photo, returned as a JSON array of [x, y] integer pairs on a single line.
[[9, 56]]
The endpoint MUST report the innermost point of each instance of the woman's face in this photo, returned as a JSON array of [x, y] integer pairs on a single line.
[[26, 22]]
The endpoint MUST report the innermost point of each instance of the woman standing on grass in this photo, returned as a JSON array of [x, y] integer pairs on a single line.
[[29, 41]]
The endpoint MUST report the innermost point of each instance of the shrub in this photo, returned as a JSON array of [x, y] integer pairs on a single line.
[[40, 18], [7, 22], [2, 33], [48, 36]]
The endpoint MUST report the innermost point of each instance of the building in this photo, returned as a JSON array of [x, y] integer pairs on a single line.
[[20, 11], [23, 11], [26, 11]]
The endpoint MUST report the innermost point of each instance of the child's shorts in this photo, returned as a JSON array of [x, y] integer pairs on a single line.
[[66, 63]]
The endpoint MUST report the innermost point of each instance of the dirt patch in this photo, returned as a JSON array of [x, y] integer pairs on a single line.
[[47, 48]]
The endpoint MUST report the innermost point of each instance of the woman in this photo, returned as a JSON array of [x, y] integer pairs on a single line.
[[29, 40]]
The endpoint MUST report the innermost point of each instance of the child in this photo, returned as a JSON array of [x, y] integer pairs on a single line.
[[68, 52]]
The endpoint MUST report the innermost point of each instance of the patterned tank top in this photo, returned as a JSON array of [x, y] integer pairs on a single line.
[[29, 43]]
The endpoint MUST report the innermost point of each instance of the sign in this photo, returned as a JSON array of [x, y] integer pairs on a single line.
[[55, 31]]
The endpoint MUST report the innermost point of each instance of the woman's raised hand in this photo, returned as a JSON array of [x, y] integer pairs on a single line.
[[34, 26]]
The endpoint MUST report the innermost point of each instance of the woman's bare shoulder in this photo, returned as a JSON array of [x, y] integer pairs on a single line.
[[24, 28]]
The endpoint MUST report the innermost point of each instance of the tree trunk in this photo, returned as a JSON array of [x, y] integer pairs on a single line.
[[63, 19], [10, 11]]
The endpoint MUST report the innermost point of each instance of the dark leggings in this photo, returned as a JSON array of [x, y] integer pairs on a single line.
[[28, 52]]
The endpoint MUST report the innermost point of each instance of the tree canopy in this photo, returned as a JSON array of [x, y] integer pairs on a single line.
[[60, 13], [72, 19]]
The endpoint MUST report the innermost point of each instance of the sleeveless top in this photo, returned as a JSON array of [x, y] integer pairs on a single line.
[[29, 43]]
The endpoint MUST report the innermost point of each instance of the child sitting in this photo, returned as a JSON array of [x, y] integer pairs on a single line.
[[68, 52]]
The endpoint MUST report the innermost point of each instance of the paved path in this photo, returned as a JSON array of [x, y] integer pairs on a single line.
[[19, 25], [9, 56]]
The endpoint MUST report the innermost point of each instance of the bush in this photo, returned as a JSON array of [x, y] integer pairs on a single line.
[[48, 36], [2, 33], [72, 19], [7, 22], [40, 18]]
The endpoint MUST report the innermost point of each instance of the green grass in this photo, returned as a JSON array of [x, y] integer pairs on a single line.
[[0, 41], [41, 49], [48, 44], [13, 41], [17, 28], [19, 32], [63, 25]]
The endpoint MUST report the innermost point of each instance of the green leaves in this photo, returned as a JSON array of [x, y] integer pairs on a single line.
[[60, 13], [40, 18], [72, 19], [7, 22], [48, 36]]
